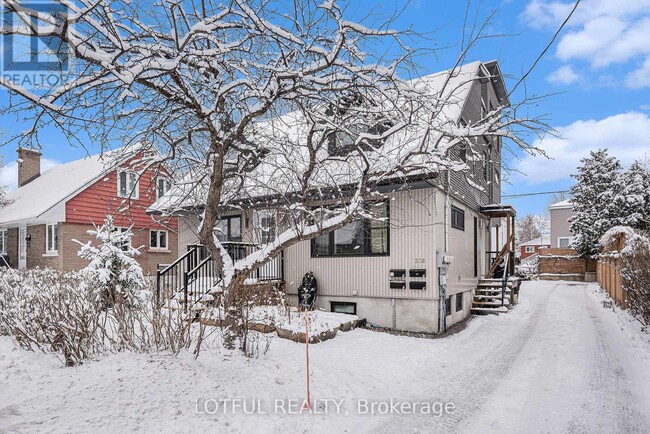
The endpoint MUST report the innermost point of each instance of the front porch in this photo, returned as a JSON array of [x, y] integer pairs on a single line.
[[193, 278]]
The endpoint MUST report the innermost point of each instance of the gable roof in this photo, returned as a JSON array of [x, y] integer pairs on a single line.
[[451, 86], [544, 240], [562, 204], [32, 201]]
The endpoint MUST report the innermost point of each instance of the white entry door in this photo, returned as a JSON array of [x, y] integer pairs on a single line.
[[22, 248]]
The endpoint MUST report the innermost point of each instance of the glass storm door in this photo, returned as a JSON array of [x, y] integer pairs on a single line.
[[22, 248]]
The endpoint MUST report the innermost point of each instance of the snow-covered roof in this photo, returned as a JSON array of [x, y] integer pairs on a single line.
[[562, 204], [544, 240], [287, 149], [33, 201]]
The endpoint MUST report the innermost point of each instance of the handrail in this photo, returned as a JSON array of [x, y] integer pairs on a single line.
[[176, 262], [199, 265], [504, 278]]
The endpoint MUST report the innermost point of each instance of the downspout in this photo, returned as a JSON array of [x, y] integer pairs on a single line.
[[442, 295]]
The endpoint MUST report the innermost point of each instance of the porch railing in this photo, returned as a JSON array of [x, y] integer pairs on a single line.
[[195, 274]]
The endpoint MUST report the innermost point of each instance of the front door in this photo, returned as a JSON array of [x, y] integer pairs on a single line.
[[22, 248]]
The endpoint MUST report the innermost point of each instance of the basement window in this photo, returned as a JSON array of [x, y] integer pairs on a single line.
[[52, 239], [343, 307], [459, 302], [448, 305], [158, 240], [457, 218], [127, 184]]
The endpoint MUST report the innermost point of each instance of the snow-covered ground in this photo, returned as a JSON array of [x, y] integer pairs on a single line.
[[558, 362]]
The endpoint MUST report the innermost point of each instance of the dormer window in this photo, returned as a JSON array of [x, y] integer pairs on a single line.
[[127, 184], [162, 186]]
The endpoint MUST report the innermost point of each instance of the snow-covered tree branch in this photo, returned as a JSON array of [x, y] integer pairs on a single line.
[[266, 104]]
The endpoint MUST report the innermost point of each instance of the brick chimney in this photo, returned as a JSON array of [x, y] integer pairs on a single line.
[[29, 165]]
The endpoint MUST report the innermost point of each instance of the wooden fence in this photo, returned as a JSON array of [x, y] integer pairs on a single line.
[[561, 264], [608, 270]]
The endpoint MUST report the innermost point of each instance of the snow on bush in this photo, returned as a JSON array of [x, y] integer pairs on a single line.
[[51, 311], [113, 265], [635, 275]]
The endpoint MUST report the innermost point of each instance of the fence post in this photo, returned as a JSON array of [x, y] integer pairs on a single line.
[[185, 289]]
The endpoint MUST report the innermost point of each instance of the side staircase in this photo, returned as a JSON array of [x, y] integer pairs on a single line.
[[495, 296]]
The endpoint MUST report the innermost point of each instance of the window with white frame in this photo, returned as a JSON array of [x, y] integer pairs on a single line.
[[564, 242], [127, 184], [121, 230], [530, 249], [3, 241], [162, 186], [158, 239], [52, 239]]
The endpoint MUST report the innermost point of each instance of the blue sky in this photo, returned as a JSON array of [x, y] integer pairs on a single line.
[[597, 76]]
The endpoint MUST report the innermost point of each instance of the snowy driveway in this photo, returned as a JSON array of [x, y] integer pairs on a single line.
[[559, 362]]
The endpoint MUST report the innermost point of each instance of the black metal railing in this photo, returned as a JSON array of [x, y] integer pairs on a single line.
[[194, 274]]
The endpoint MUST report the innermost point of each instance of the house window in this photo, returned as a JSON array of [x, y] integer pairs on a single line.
[[448, 305], [121, 230], [158, 239], [228, 229], [564, 242], [3, 241], [457, 218], [368, 237], [343, 307], [52, 239], [463, 153], [459, 302], [530, 249], [127, 184], [162, 186]]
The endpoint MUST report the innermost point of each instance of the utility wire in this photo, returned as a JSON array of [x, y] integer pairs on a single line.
[[566, 20], [540, 193]]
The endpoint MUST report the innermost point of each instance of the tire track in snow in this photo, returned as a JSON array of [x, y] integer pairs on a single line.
[[609, 400], [472, 387]]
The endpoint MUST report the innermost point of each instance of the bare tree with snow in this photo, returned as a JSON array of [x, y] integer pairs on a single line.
[[285, 101]]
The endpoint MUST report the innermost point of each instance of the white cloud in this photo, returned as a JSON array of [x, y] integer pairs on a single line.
[[626, 135], [563, 75], [639, 77], [9, 173], [601, 32]]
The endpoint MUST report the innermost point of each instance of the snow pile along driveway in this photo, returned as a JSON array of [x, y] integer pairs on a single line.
[[559, 362]]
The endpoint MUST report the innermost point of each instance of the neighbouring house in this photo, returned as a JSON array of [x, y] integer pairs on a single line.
[[387, 271], [532, 247], [561, 235], [50, 209]]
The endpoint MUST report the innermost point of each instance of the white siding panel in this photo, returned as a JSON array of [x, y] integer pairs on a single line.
[[415, 218]]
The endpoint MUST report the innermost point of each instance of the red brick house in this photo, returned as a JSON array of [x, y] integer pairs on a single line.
[[532, 247], [50, 209]]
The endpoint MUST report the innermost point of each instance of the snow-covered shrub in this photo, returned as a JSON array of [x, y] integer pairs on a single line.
[[113, 266], [58, 312], [635, 276], [528, 268], [50, 311]]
